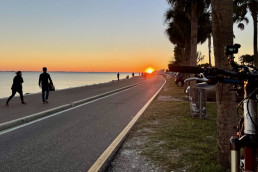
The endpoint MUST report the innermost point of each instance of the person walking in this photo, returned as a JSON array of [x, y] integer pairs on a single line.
[[16, 87], [44, 80], [118, 76]]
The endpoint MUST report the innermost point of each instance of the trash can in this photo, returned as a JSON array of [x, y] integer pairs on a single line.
[[197, 99]]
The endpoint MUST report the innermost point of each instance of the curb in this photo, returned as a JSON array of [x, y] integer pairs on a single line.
[[108, 155], [29, 118], [32, 117]]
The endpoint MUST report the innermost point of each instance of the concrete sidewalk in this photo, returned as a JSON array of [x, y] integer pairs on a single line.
[[34, 104]]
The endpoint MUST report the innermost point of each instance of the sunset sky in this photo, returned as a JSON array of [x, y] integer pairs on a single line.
[[89, 35]]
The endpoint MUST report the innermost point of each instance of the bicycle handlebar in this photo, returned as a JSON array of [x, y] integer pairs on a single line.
[[232, 77], [186, 69]]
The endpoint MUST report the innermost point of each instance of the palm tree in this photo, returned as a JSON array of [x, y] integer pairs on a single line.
[[179, 29], [240, 11], [222, 31], [209, 49], [198, 7], [178, 55], [194, 9]]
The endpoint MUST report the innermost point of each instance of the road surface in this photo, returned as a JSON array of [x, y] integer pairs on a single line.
[[73, 140]]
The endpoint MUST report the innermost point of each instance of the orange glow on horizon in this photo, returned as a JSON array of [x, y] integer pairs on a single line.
[[149, 70], [81, 64], [83, 61]]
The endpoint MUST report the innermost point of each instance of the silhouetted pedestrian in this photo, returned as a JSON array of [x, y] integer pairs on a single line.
[[133, 74], [44, 80], [16, 87], [118, 76], [145, 75]]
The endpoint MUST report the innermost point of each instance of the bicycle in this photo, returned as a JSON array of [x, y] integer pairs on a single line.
[[247, 130]]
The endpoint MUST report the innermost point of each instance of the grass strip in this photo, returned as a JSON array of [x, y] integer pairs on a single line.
[[174, 140]]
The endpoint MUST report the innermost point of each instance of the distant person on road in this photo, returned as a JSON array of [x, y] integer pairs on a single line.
[[44, 80], [118, 76], [133, 74], [16, 87], [145, 75]]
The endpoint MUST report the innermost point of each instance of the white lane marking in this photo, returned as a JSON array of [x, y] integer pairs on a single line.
[[64, 89], [38, 115], [106, 154], [110, 92], [58, 113]]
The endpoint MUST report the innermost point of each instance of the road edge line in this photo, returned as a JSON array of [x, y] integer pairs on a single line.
[[103, 161]]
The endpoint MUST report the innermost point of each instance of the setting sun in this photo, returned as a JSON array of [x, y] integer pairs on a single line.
[[149, 70]]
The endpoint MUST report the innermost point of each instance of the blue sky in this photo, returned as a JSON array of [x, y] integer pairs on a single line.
[[93, 31], [89, 35]]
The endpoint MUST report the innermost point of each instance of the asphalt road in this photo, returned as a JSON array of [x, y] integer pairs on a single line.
[[73, 140]]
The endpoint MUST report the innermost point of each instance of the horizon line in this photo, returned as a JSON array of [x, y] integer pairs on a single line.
[[67, 71]]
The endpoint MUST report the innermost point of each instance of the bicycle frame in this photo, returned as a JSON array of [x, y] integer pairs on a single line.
[[249, 140]]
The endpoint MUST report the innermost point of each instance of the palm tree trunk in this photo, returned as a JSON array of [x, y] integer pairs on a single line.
[[255, 39], [187, 53], [209, 48], [222, 31], [187, 59], [194, 31], [182, 55]]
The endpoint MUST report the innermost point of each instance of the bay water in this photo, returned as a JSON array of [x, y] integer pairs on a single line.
[[61, 80]]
